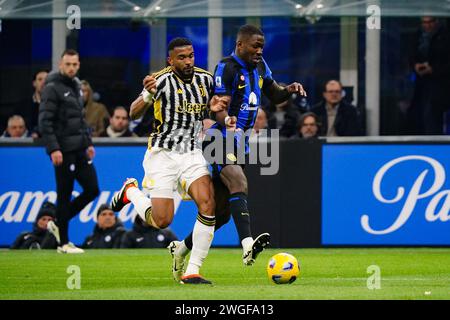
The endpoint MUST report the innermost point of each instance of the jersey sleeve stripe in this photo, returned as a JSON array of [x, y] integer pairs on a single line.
[[200, 70], [162, 72]]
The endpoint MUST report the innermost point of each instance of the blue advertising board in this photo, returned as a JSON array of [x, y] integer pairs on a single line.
[[386, 195], [27, 179]]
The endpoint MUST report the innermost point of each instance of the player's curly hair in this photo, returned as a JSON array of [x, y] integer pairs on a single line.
[[178, 42]]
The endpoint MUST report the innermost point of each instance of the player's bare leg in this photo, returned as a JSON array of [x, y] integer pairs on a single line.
[[157, 212], [180, 249]]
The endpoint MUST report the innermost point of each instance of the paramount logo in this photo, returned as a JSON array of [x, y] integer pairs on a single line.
[[437, 198], [18, 208]]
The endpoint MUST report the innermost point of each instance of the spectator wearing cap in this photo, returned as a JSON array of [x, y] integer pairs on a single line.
[[145, 236], [39, 238], [107, 232]]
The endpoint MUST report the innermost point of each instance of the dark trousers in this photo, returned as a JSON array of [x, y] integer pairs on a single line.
[[425, 118], [75, 166]]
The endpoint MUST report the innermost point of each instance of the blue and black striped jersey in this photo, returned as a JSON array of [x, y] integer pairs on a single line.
[[245, 84]]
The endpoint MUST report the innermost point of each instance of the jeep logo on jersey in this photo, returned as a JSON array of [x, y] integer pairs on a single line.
[[187, 107]]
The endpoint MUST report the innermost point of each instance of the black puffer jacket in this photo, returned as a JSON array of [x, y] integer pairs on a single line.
[[61, 115], [37, 239], [105, 238], [145, 236]]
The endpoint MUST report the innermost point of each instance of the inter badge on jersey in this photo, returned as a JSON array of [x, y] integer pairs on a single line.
[[218, 82]]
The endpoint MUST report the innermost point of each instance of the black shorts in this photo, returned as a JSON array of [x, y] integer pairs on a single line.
[[221, 196], [235, 156]]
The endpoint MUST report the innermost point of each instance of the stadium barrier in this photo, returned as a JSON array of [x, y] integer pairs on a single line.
[[367, 191]]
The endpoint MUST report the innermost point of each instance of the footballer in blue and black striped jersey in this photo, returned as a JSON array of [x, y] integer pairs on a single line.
[[239, 82], [241, 79], [244, 84]]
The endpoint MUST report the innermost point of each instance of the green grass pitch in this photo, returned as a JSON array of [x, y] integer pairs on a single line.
[[406, 273]]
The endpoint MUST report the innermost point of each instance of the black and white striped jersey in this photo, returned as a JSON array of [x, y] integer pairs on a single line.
[[179, 108]]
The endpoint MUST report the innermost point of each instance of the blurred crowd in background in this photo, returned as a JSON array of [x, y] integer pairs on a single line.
[[413, 103]]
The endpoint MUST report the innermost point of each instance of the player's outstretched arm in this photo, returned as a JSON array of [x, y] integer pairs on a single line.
[[145, 99], [278, 94], [138, 108]]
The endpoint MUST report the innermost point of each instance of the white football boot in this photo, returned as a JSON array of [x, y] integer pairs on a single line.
[[70, 248], [177, 261], [259, 244]]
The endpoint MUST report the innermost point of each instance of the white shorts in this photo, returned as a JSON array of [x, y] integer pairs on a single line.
[[166, 170]]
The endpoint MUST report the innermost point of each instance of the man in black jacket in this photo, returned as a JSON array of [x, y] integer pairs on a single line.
[[336, 117], [107, 232], [145, 236], [39, 238], [67, 140], [430, 60]]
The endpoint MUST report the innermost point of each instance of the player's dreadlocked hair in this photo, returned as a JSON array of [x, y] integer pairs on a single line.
[[178, 42], [248, 30]]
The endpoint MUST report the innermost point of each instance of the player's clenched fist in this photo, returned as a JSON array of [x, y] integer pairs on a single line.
[[149, 84], [219, 103], [230, 123]]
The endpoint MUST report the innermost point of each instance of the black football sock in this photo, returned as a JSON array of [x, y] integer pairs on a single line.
[[240, 213]]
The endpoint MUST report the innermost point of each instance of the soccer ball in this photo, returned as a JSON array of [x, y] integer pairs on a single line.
[[283, 268]]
